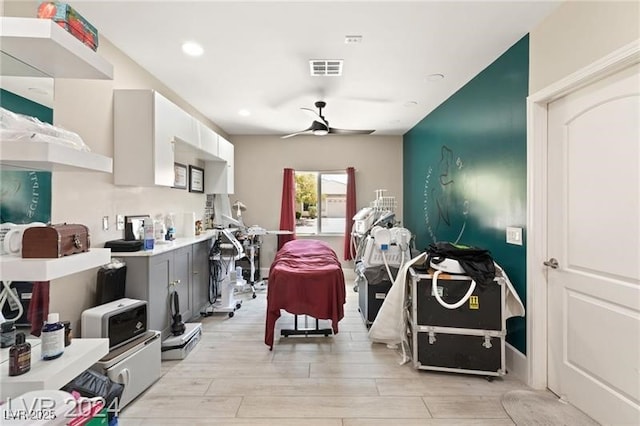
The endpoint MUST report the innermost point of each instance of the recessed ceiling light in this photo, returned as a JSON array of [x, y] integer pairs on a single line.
[[192, 48], [435, 77], [244, 112], [410, 104]]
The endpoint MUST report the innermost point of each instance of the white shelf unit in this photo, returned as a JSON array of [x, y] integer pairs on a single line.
[[47, 49], [44, 45], [49, 157], [14, 268], [80, 355]]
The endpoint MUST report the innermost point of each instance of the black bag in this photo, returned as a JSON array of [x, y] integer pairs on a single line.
[[476, 262], [91, 384]]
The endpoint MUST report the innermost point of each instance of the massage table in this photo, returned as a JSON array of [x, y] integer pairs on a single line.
[[305, 278]]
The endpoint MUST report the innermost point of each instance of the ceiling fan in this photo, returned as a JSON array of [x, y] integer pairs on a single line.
[[320, 126]]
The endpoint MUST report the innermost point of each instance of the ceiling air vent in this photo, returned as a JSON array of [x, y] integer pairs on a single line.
[[326, 67]]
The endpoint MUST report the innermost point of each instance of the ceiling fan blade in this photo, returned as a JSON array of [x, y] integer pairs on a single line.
[[334, 131], [315, 127], [304, 132], [314, 116]]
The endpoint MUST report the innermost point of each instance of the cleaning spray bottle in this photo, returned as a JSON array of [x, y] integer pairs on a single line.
[[171, 227]]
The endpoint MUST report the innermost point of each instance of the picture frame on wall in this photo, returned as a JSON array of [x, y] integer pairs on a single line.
[[179, 176], [196, 179]]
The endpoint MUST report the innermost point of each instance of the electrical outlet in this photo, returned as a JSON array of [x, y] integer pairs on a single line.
[[120, 222], [105, 223], [514, 236]]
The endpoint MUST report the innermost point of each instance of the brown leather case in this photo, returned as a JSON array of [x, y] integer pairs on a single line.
[[55, 241]]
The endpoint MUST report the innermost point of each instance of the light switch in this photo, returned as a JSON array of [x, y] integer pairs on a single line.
[[119, 222], [105, 223], [514, 235]]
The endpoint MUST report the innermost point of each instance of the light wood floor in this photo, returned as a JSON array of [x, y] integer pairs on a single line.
[[231, 378]]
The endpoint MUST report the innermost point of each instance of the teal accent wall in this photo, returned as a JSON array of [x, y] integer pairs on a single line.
[[20, 105], [26, 194], [465, 170]]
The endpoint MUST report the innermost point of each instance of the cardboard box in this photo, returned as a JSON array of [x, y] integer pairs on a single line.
[[69, 19]]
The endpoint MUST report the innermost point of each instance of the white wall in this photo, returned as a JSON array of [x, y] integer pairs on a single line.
[[576, 34], [85, 107], [260, 161]]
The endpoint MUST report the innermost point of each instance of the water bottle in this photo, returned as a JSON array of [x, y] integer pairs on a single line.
[[149, 234]]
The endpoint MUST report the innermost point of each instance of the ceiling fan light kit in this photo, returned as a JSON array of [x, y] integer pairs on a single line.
[[320, 126]]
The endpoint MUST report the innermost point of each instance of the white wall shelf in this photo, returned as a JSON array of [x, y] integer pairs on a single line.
[[51, 157], [44, 45], [14, 268], [53, 374]]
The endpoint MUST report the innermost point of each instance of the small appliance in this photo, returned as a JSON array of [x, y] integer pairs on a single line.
[[178, 347], [121, 321]]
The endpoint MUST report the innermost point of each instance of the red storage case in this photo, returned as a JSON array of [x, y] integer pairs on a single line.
[[69, 19]]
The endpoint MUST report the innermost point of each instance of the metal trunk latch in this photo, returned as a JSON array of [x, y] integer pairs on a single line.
[[487, 342], [76, 241], [432, 337]]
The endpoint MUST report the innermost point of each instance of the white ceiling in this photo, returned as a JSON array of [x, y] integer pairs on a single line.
[[256, 55]]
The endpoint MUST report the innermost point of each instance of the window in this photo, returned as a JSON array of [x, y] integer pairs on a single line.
[[321, 202]]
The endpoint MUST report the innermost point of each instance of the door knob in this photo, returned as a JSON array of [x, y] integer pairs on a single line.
[[552, 263]]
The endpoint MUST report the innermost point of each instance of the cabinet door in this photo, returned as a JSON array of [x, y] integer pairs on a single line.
[[219, 174], [184, 127], [160, 277], [182, 278], [200, 282], [163, 145], [208, 140], [229, 156]]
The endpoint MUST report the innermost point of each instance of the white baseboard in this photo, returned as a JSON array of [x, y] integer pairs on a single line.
[[264, 273], [516, 363]]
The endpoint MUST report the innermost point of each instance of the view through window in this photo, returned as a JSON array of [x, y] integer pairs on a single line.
[[321, 202]]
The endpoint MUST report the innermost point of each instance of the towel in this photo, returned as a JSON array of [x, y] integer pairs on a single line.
[[38, 307]]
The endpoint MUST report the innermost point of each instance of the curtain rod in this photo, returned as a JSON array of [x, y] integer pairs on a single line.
[[326, 171]]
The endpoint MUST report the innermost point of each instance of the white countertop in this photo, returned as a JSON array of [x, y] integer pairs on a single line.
[[165, 246]]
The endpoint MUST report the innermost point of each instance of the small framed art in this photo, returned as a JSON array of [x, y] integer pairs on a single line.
[[196, 179], [179, 176]]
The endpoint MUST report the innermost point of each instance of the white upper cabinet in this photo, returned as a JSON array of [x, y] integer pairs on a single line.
[[143, 139], [148, 130]]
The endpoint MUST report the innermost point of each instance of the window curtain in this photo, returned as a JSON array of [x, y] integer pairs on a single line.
[[351, 211], [288, 207]]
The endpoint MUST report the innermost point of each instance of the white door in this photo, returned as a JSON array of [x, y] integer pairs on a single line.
[[593, 233]]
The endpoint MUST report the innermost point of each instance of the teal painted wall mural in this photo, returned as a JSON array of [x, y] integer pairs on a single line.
[[465, 170], [25, 195], [20, 105]]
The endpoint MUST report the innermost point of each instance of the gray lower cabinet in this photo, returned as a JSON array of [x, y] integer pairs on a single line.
[[200, 281], [153, 278]]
